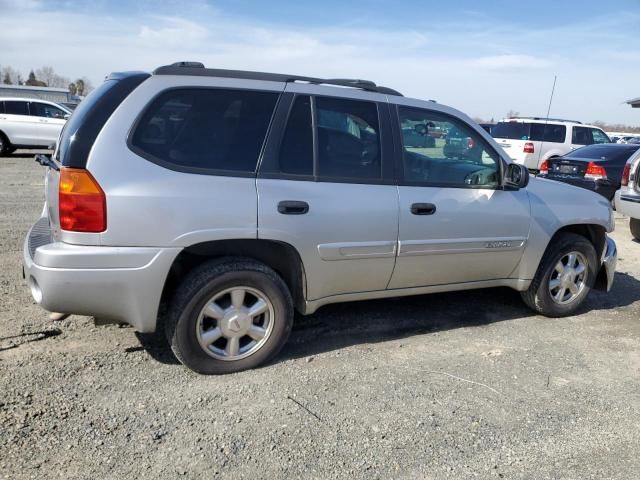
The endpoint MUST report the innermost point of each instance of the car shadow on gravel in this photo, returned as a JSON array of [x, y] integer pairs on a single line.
[[338, 326], [342, 325]]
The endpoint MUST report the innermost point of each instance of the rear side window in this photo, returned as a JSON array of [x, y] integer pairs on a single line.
[[2, 107], [511, 130], [348, 139], [204, 129], [14, 107], [548, 133]]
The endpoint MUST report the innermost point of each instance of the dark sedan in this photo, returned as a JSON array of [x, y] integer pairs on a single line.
[[594, 167]]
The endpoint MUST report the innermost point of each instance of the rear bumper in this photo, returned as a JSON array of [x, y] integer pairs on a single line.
[[627, 203], [604, 188], [121, 284]]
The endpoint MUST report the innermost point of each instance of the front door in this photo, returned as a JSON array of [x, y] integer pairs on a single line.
[[48, 121], [327, 190], [456, 223]]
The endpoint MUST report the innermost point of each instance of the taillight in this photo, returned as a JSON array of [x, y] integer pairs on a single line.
[[595, 171], [625, 174], [470, 143], [81, 202], [544, 167], [528, 148]]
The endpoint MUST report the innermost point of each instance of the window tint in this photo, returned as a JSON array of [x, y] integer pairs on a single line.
[[581, 136], [214, 129], [511, 130], [296, 150], [2, 107], [348, 138], [16, 107], [461, 159], [548, 133], [599, 136], [45, 110]]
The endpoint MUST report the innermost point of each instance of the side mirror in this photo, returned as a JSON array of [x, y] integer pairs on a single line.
[[66, 117], [516, 176]]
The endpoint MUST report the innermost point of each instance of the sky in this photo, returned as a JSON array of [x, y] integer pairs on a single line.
[[484, 58]]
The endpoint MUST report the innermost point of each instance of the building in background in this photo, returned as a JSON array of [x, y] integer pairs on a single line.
[[57, 95], [635, 103]]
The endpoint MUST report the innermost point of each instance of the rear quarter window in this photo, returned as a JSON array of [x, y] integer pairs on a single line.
[[205, 130]]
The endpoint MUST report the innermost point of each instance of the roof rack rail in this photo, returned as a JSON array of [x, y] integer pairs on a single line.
[[198, 69], [544, 118]]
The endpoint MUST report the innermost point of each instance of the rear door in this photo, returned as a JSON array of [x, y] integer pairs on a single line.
[[49, 121], [19, 126], [326, 188], [456, 223]]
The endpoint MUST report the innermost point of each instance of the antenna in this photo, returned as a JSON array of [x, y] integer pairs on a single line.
[[553, 89], [546, 120]]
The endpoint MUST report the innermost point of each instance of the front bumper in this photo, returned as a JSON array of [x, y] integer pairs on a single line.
[[122, 284], [609, 261]]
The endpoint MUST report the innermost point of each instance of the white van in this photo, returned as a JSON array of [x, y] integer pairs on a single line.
[[532, 140], [30, 123]]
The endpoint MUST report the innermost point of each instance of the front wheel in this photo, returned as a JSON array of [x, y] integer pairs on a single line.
[[564, 278], [634, 226], [229, 315]]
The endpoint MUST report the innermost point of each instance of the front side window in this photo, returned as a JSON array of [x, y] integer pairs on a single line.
[[16, 107], [599, 136], [38, 109], [460, 159], [581, 136], [348, 136], [205, 129]]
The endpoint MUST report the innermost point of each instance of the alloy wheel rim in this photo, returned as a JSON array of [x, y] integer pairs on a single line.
[[235, 323], [568, 278]]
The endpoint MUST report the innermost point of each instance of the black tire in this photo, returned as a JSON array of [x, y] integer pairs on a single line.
[[634, 226], [5, 145], [201, 285], [538, 296]]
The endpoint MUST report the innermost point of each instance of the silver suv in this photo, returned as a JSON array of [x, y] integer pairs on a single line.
[[234, 198]]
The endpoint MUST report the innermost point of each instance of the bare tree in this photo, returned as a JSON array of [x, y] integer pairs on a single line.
[[11, 76], [48, 75], [72, 89], [512, 113]]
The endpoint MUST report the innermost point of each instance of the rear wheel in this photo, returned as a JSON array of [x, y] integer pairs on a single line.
[[564, 278], [634, 226], [229, 315], [5, 145]]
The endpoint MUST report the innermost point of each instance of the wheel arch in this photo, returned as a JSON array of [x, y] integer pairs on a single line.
[[597, 235], [282, 257]]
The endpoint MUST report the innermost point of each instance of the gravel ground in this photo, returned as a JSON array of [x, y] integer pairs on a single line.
[[461, 385]]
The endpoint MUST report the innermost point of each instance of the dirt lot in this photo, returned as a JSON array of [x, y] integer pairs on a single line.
[[462, 385]]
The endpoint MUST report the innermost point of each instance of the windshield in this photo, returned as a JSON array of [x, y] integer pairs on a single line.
[[511, 130]]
